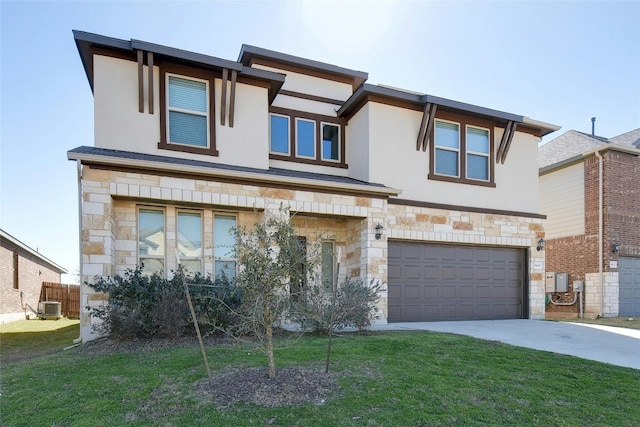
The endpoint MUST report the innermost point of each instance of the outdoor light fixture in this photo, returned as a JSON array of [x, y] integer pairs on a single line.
[[540, 244], [615, 248], [378, 231]]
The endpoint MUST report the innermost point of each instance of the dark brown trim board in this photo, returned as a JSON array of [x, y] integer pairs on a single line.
[[232, 96], [311, 97], [223, 96], [305, 71], [150, 71], [140, 81]]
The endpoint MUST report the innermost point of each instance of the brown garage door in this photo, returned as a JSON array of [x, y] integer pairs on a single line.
[[430, 282]]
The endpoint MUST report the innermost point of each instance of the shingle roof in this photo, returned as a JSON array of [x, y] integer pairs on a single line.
[[567, 145], [631, 138], [574, 143], [9, 238], [221, 168]]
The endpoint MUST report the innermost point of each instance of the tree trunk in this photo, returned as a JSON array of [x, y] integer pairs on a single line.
[[272, 363]]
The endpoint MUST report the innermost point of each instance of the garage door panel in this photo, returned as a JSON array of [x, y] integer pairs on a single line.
[[629, 291], [482, 273], [448, 273], [451, 282], [430, 272], [412, 271]]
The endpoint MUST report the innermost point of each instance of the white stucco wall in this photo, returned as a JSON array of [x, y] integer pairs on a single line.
[[561, 195], [119, 125], [357, 148], [299, 104], [297, 82], [395, 162]]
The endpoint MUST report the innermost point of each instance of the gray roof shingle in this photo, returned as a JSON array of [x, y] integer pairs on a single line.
[[574, 143]]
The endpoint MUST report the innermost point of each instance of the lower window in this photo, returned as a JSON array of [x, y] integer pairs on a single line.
[[151, 240], [224, 243]]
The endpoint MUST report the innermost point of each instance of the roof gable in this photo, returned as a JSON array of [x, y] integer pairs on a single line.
[[18, 244]]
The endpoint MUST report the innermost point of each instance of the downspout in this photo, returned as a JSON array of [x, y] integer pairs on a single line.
[[79, 169], [600, 229]]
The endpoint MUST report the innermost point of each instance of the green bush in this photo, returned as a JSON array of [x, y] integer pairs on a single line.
[[151, 306], [354, 306]]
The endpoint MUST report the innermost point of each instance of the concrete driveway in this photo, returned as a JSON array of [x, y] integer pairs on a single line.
[[616, 346]]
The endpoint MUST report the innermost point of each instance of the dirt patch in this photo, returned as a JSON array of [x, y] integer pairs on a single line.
[[105, 346], [291, 387]]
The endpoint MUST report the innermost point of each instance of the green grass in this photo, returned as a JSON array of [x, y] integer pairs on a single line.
[[27, 339], [386, 379]]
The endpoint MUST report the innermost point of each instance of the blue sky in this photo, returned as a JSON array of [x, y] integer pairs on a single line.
[[559, 62]]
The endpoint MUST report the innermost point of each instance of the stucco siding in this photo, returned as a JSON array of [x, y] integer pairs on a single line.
[[302, 83], [358, 145], [396, 163], [120, 126], [562, 199]]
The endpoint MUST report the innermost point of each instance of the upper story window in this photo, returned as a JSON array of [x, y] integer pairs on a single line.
[[187, 113], [307, 138], [462, 151]]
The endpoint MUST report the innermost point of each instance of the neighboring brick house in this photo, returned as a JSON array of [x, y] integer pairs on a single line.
[[22, 271], [432, 197], [594, 239]]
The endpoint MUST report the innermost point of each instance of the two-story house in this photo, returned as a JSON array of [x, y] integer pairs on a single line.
[[589, 192], [435, 198]]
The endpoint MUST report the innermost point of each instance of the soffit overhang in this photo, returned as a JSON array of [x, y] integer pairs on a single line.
[[88, 42], [582, 157], [249, 54], [273, 176]]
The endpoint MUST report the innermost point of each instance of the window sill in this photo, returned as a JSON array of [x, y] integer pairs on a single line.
[[467, 181], [308, 161], [188, 149]]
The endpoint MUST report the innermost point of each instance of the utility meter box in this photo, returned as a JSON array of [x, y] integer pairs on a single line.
[[550, 281], [562, 282], [578, 286], [556, 282]]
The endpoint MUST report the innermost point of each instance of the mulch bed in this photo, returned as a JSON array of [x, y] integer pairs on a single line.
[[291, 386]]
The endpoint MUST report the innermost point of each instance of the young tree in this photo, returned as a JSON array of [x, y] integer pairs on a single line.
[[269, 256]]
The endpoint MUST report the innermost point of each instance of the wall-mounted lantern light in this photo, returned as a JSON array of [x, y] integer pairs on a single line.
[[540, 244], [378, 231], [615, 248]]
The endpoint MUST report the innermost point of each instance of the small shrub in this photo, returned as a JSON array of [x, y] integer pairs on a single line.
[[151, 306], [354, 306]]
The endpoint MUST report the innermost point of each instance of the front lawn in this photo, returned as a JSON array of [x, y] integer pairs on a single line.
[[385, 379]]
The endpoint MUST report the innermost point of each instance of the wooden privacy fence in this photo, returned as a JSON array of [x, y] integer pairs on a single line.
[[67, 295]]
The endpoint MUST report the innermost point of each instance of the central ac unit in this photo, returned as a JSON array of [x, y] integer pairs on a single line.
[[48, 309]]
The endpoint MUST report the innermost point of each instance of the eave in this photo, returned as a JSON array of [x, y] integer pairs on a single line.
[[86, 42], [270, 177], [18, 244], [581, 157], [249, 53]]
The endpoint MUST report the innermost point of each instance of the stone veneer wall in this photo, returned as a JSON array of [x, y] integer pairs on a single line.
[[109, 237], [610, 301], [110, 200]]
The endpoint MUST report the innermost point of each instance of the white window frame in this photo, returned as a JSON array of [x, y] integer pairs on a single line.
[[164, 220], [187, 111], [322, 157], [476, 153], [315, 138], [436, 148], [191, 258], [288, 153]]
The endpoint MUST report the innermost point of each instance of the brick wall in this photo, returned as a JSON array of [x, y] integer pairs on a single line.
[[622, 205], [31, 273], [578, 255]]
